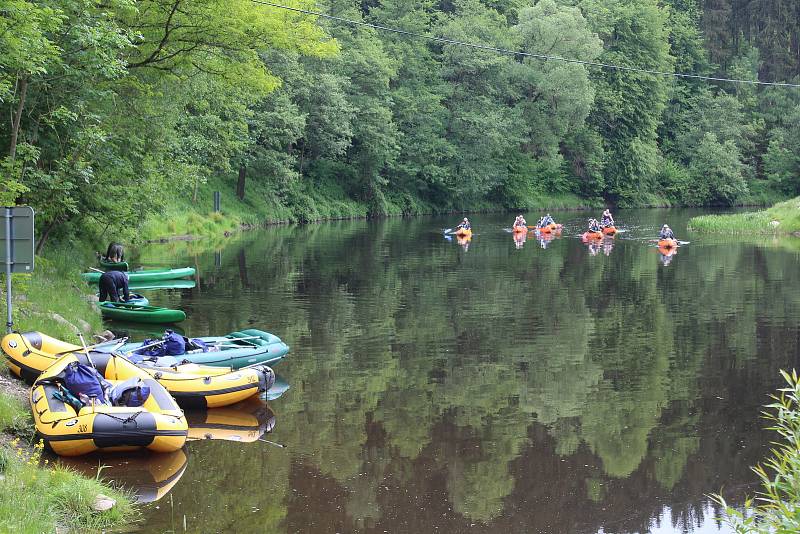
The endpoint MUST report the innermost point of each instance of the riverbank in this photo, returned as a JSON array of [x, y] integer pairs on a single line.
[[781, 219], [188, 217], [35, 495]]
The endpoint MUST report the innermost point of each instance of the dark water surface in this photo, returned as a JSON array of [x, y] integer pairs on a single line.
[[437, 387]]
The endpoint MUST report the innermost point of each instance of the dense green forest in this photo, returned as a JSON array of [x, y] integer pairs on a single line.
[[122, 109]]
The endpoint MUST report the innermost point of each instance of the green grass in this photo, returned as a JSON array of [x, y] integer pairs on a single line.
[[786, 214], [306, 201], [53, 288], [37, 497], [15, 417]]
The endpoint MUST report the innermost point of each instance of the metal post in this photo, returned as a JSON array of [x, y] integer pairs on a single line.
[[217, 201], [9, 262]]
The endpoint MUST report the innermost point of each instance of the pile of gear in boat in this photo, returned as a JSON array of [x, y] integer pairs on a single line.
[[121, 396]]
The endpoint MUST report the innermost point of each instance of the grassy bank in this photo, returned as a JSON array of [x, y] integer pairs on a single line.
[[53, 299], [38, 497], [782, 218], [311, 203]]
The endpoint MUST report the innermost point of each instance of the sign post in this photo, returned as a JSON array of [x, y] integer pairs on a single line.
[[16, 249]]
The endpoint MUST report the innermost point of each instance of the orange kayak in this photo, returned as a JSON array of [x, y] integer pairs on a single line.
[[520, 229], [609, 230], [668, 244], [464, 233]]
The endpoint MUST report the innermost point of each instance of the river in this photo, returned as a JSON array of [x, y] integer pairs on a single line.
[[487, 386]]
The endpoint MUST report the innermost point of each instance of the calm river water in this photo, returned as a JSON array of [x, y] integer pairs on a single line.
[[489, 386]]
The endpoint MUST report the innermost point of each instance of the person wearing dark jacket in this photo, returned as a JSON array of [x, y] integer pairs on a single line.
[[115, 253], [666, 233], [111, 283]]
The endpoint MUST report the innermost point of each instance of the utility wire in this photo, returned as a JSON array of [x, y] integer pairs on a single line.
[[518, 53]]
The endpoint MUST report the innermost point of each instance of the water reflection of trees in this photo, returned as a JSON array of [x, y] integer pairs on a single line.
[[433, 388]]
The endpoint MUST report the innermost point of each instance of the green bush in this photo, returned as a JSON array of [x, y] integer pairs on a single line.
[[777, 507]]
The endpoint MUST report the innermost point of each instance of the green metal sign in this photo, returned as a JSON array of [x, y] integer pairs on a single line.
[[16, 248], [17, 241]]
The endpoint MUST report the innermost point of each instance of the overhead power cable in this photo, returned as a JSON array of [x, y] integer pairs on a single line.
[[506, 51]]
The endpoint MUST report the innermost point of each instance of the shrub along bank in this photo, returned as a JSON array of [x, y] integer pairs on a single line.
[[776, 509]]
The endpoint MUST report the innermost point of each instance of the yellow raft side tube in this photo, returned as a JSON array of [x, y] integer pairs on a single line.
[[192, 385], [195, 390], [159, 425]]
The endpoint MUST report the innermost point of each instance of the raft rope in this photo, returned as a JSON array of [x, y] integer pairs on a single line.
[[506, 51]]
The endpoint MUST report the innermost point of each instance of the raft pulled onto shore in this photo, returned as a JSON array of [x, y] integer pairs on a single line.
[[72, 430], [151, 275], [237, 349], [192, 385]]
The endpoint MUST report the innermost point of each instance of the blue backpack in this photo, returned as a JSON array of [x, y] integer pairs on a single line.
[[80, 380], [133, 393], [174, 344]]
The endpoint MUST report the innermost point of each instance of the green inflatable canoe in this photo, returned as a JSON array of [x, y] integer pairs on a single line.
[[237, 349], [151, 275], [137, 313], [162, 284], [113, 265]]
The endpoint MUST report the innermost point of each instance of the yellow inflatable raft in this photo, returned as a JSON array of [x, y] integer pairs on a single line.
[[158, 425], [192, 385]]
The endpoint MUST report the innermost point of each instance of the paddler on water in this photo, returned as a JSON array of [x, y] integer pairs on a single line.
[[606, 220], [594, 226], [520, 222], [666, 233], [464, 225]]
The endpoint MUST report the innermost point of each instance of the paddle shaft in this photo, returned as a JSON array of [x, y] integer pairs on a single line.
[[86, 351], [280, 445]]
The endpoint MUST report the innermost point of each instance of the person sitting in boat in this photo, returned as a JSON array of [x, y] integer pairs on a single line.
[[594, 226], [111, 283], [115, 253], [547, 220], [520, 221], [666, 233], [607, 220], [464, 225]]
